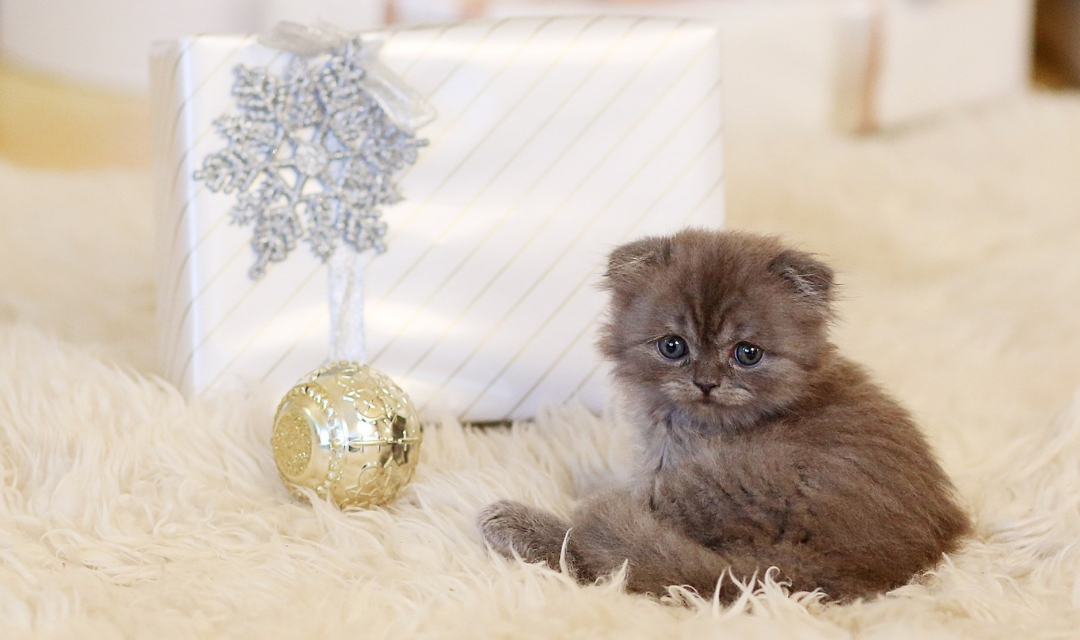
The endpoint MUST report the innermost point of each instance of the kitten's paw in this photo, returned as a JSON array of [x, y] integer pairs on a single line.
[[501, 523], [535, 535]]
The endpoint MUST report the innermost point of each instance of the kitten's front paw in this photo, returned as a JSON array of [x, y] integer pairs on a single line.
[[535, 535], [502, 524]]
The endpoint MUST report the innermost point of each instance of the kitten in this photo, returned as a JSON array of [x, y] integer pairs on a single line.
[[761, 446]]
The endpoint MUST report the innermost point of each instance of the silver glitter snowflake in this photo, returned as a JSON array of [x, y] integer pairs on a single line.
[[311, 155]]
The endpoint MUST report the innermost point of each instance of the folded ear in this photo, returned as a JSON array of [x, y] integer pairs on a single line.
[[811, 278], [628, 262]]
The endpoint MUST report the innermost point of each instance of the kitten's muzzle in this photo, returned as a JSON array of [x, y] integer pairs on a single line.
[[706, 387]]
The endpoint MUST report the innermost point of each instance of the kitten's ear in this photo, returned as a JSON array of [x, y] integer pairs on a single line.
[[811, 278], [627, 262]]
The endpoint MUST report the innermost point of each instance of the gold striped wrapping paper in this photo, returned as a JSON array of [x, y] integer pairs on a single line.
[[556, 140]]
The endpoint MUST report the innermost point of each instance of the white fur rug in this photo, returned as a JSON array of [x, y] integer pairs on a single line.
[[126, 511]]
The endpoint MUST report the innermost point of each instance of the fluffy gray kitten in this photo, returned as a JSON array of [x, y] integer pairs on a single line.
[[761, 445]]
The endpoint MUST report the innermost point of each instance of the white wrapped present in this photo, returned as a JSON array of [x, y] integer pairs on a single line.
[[555, 140], [902, 60]]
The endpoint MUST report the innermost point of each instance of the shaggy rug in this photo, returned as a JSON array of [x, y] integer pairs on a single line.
[[127, 511]]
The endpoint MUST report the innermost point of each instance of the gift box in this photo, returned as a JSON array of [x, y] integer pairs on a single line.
[[554, 140], [855, 64], [902, 60]]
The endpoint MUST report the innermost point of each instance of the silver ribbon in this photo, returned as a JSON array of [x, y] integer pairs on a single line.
[[407, 108], [345, 287]]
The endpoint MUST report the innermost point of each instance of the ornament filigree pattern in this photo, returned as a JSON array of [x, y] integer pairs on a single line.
[[311, 156], [349, 433]]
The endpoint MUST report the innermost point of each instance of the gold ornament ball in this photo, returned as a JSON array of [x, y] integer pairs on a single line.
[[348, 432]]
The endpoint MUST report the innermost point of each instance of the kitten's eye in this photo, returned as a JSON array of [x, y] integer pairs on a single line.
[[672, 347], [747, 354]]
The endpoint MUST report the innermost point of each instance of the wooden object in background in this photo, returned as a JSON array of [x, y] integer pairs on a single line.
[[1057, 42]]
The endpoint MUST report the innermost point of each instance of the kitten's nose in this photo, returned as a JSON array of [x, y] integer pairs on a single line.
[[705, 387]]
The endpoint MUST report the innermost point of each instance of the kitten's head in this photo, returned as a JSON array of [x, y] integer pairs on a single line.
[[715, 329]]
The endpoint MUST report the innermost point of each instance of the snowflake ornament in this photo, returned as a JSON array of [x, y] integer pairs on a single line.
[[311, 156]]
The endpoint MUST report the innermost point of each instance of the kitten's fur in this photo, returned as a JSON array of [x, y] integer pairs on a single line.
[[798, 462]]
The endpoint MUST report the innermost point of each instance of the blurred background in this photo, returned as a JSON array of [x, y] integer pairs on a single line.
[[74, 81]]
